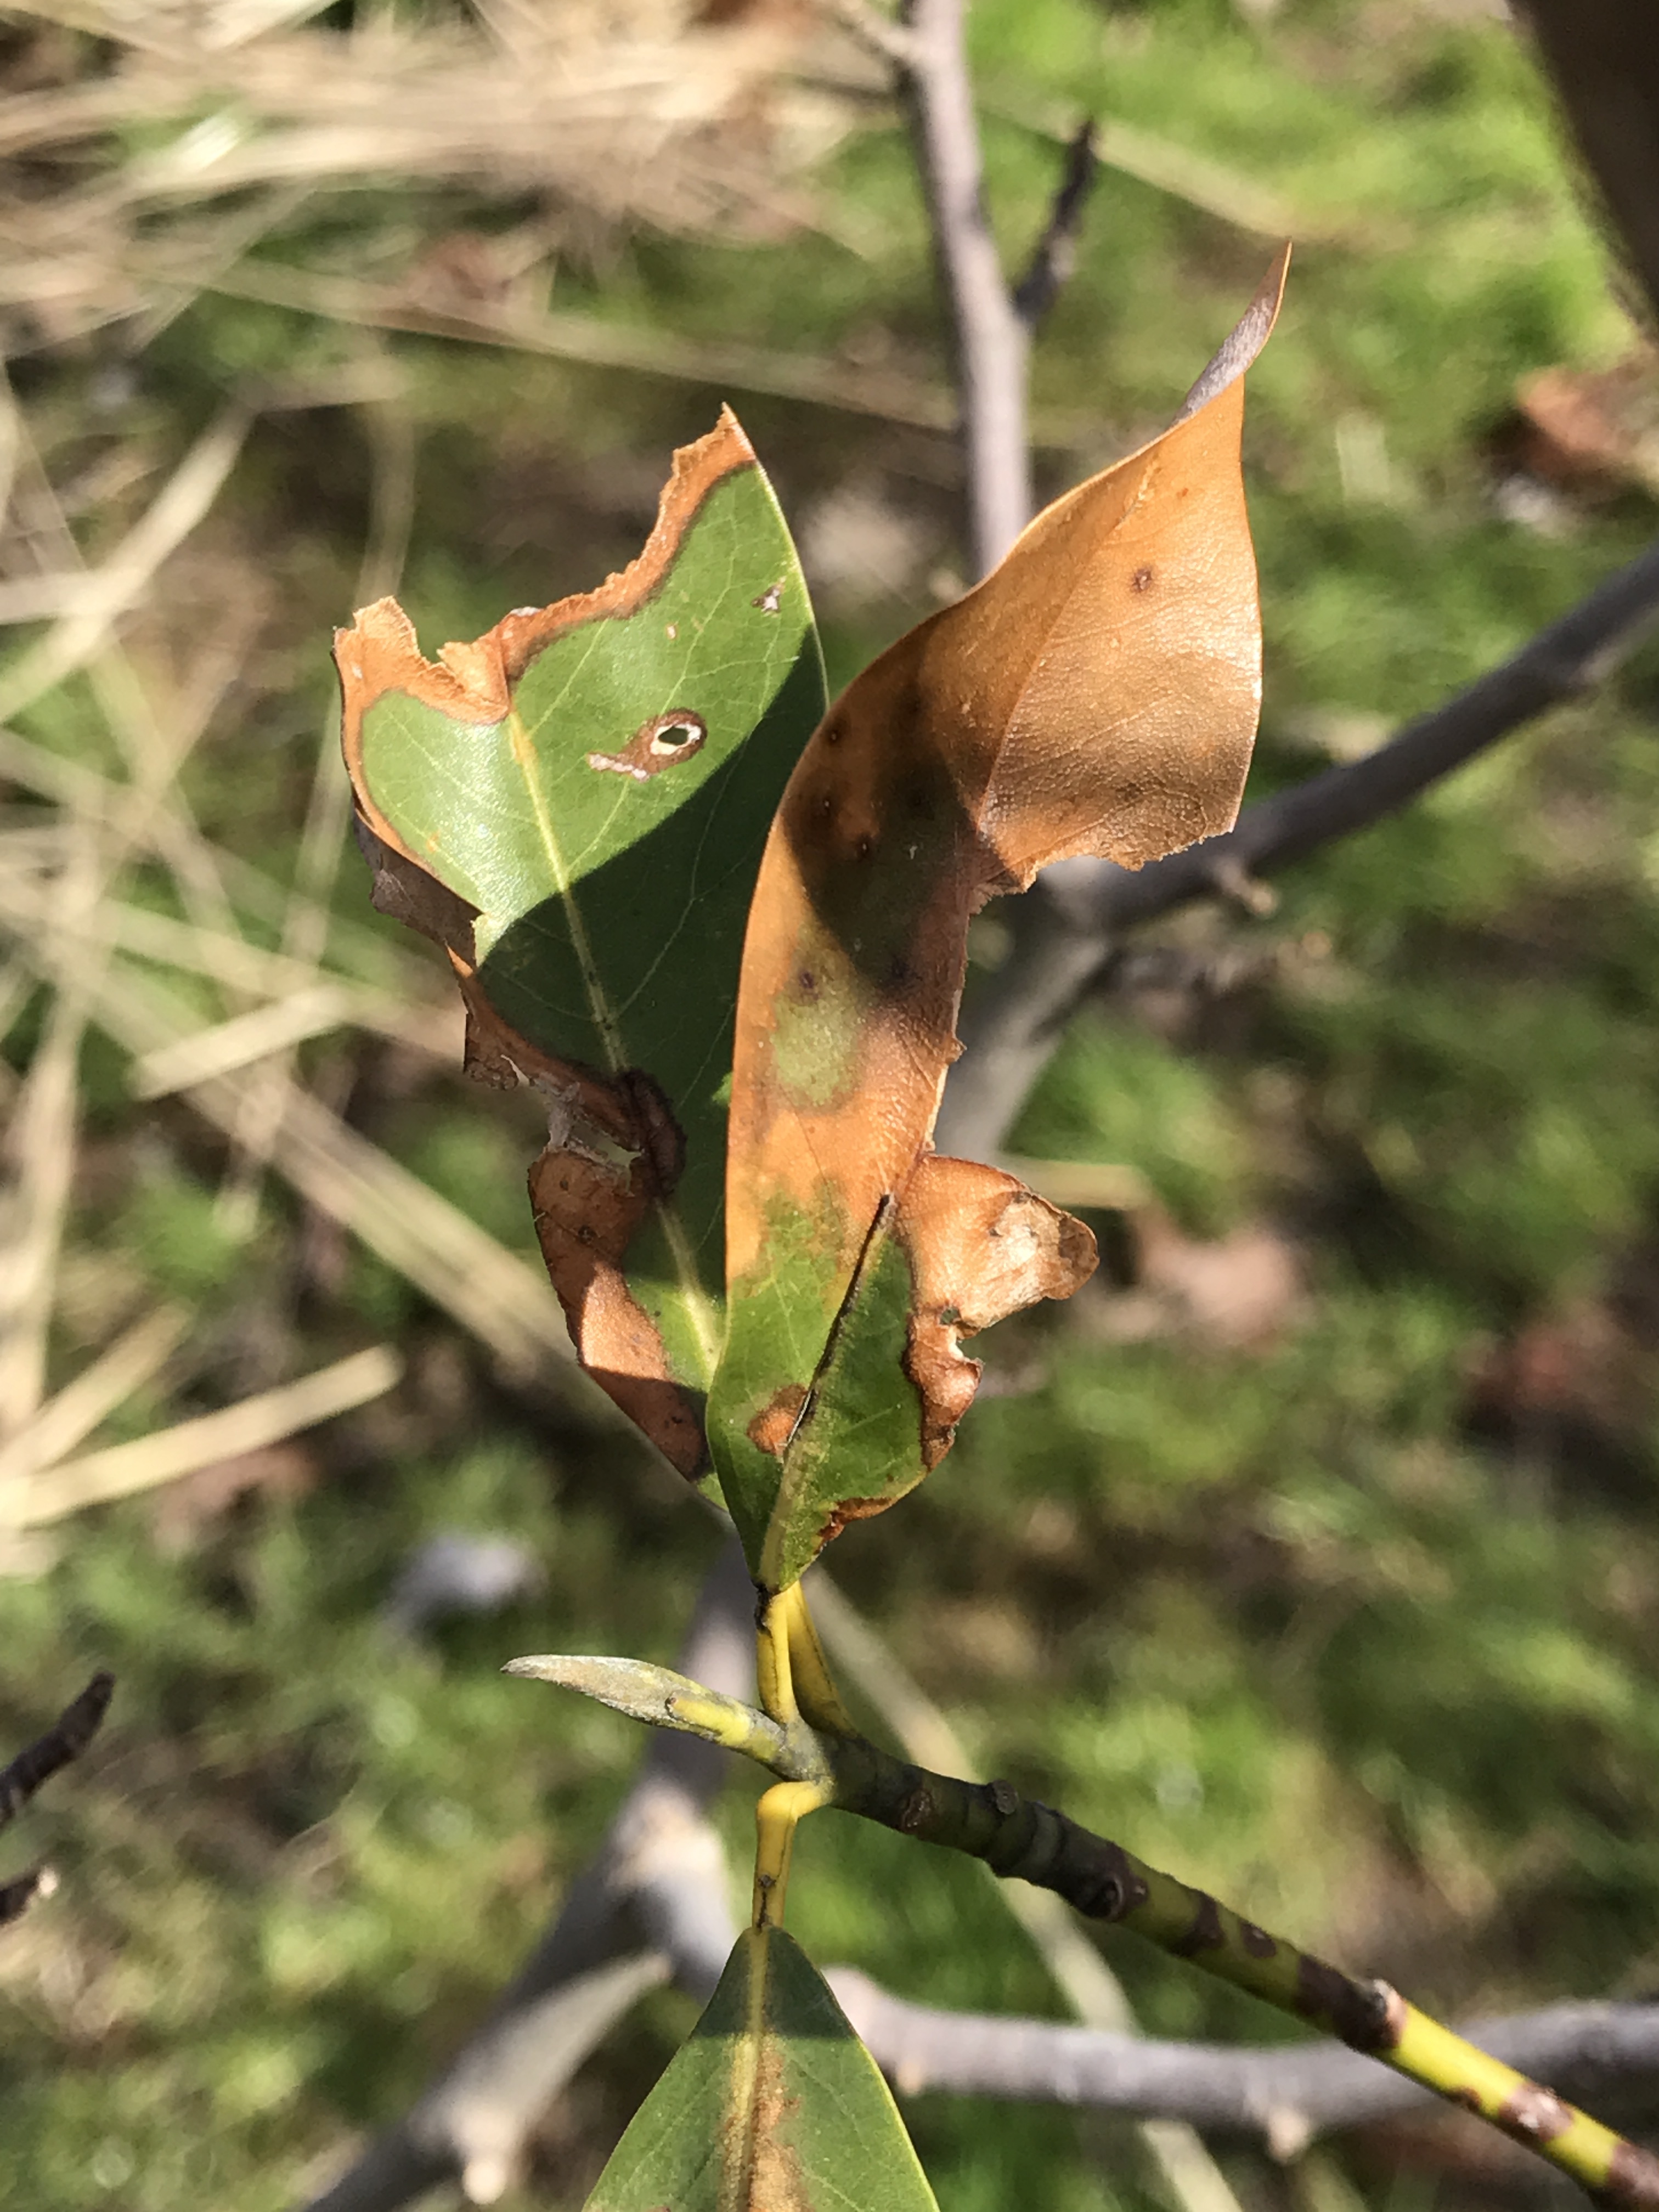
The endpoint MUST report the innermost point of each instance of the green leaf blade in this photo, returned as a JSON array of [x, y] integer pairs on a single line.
[[772, 2105], [576, 807]]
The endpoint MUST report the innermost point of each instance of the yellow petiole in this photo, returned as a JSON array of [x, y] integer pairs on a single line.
[[780, 1811]]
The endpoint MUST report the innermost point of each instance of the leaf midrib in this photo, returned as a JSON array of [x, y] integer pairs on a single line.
[[696, 1300]]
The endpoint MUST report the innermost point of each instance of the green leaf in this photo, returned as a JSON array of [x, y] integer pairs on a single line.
[[574, 806], [772, 2105]]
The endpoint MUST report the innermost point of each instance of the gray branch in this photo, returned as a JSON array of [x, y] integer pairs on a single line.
[[1056, 254], [1287, 2094], [989, 337], [1068, 926]]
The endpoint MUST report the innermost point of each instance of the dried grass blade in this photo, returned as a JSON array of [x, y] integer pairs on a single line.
[[310, 909], [43, 1143], [497, 1297], [202, 950], [135, 1358], [266, 1418], [502, 1299], [567, 337], [185, 499], [243, 1040]]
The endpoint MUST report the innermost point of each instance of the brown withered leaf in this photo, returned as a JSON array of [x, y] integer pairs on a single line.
[[1098, 694]]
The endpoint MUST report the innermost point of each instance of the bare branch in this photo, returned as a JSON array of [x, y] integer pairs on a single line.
[[989, 337], [16, 1896], [1054, 255], [1287, 2094], [65, 1740], [653, 1901], [1066, 926]]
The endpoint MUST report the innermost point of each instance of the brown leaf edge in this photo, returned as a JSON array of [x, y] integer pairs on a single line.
[[981, 1246], [614, 1150]]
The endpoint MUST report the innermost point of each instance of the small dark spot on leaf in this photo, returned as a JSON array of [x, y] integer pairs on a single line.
[[1141, 580], [807, 984], [900, 972]]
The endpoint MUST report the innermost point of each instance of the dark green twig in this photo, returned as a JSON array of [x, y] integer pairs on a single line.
[[1018, 1836], [66, 1739]]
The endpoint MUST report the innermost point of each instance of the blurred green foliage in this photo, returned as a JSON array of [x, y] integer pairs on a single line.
[[1355, 1622]]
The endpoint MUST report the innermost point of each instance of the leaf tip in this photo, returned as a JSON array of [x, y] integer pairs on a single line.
[[1239, 349]]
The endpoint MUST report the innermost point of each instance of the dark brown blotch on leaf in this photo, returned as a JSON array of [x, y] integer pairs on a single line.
[[587, 1209], [589, 1192], [662, 742], [850, 1508]]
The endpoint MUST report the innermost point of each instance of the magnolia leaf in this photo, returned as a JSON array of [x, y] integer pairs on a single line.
[[574, 806], [772, 2105], [1097, 692]]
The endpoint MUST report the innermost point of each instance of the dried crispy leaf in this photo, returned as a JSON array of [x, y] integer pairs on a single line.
[[574, 806], [772, 2105], [1098, 693]]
